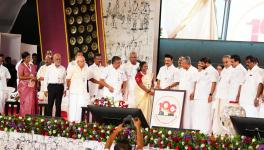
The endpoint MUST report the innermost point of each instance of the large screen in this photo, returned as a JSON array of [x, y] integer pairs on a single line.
[[234, 20]]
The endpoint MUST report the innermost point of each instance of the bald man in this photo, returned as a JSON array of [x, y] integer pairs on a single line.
[[41, 74], [130, 69], [55, 85], [77, 78]]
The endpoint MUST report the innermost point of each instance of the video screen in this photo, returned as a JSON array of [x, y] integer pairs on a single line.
[[232, 20]]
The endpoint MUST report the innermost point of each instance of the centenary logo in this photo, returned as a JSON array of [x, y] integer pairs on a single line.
[[167, 110]]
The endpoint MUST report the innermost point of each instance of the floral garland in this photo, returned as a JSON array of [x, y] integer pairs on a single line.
[[153, 137], [108, 102]]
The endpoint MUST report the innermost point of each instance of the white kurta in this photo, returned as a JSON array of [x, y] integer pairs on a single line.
[[167, 76], [221, 97], [115, 78], [261, 109], [187, 82], [79, 97], [202, 110], [238, 76], [130, 71], [94, 90], [4, 75], [41, 73], [249, 91]]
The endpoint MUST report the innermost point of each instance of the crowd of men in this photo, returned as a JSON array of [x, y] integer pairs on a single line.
[[204, 85]]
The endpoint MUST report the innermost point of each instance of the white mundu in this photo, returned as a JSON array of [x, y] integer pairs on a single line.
[[115, 78], [96, 72], [249, 91], [130, 71], [221, 96], [238, 76], [202, 115], [187, 82], [79, 97], [4, 75], [41, 73], [168, 76]]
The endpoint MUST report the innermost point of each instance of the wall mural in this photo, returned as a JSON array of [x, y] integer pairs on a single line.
[[81, 27], [129, 26]]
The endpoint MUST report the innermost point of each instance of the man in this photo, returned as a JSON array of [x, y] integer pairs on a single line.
[[77, 79], [130, 69], [203, 96], [73, 62], [48, 53], [179, 62], [237, 78], [114, 80], [12, 70], [252, 88], [187, 81], [40, 76], [4, 76], [222, 92], [55, 85], [35, 59], [168, 74], [95, 90]]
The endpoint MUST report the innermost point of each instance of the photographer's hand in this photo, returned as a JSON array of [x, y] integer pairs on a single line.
[[112, 137], [140, 142]]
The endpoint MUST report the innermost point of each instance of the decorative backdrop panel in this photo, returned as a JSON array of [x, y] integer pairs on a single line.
[[129, 26], [81, 20]]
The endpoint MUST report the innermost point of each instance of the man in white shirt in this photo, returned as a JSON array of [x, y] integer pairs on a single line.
[[4, 76], [252, 88], [187, 81], [203, 97], [168, 74], [114, 80], [95, 90], [55, 85], [222, 92], [40, 76], [130, 68], [77, 79]]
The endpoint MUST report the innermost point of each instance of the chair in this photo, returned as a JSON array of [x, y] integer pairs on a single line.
[[12, 101]]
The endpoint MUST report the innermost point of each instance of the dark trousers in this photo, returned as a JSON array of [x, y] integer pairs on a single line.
[[55, 93]]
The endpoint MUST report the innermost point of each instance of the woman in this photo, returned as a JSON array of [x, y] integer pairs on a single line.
[[144, 90], [27, 85]]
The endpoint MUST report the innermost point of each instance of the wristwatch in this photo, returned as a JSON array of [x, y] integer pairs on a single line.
[[210, 94]]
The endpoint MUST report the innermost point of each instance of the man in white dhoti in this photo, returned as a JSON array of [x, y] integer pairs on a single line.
[[203, 97], [4, 76], [187, 80], [95, 90], [114, 80], [130, 68], [222, 92], [238, 76], [252, 88], [77, 83], [168, 76], [40, 76]]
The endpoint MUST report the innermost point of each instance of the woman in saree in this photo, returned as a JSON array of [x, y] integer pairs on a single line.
[[144, 90], [27, 85]]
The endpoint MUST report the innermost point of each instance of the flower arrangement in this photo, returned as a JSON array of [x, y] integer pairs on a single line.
[[109, 102], [153, 137]]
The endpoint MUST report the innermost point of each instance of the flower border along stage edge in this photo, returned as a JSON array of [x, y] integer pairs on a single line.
[[153, 137]]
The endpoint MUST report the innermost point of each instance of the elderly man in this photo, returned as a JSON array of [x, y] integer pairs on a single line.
[[55, 85], [4, 76], [77, 78], [168, 76], [40, 76], [222, 92], [95, 90], [252, 88], [114, 80], [187, 81], [203, 96], [130, 69], [73, 62]]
